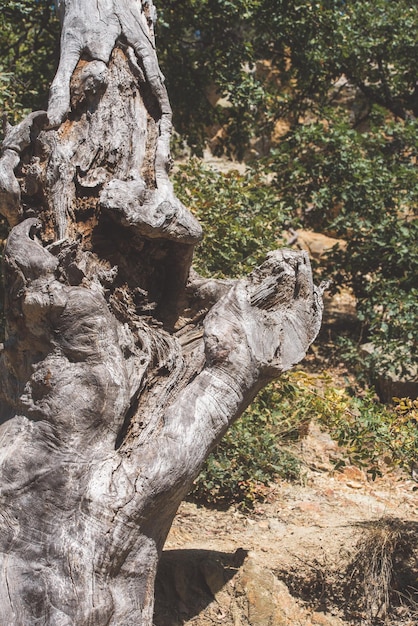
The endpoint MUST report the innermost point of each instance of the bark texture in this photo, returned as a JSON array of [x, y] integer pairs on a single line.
[[121, 369]]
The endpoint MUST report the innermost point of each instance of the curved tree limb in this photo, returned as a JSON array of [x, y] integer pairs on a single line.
[[121, 369]]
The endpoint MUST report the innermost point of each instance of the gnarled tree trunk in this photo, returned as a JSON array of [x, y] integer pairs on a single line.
[[121, 369]]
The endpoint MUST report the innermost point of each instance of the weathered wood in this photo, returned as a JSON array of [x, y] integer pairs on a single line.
[[121, 369]]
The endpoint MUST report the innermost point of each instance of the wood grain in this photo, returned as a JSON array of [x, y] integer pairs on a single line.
[[121, 368]]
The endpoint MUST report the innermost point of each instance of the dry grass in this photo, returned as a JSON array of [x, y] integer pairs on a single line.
[[375, 586], [382, 546]]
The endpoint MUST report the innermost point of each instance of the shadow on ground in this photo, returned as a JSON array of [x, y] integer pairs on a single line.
[[376, 584], [187, 581]]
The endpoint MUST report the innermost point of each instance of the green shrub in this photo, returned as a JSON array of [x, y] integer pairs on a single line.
[[362, 187], [251, 455], [258, 448], [368, 431], [275, 59], [29, 49], [241, 216]]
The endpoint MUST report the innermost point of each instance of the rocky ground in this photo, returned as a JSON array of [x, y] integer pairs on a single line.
[[336, 549]]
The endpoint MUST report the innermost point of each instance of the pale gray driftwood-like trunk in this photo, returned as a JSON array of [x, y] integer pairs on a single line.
[[120, 369]]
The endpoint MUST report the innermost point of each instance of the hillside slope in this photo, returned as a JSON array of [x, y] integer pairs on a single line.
[[303, 558]]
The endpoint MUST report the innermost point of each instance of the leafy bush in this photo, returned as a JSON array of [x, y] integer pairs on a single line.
[[258, 448], [369, 431], [29, 44], [362, 187], [241, 216], [274, 59]]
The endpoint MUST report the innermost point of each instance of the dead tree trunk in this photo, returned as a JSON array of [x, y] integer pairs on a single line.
[[120, 369]]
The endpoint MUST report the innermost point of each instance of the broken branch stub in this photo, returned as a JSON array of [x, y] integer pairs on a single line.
[[120, 368]]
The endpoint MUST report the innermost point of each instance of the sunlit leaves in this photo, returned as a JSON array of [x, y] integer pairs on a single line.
[[258, 448], [29, 37], [241, 216]]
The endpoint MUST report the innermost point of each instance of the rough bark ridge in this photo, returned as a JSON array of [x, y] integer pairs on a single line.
[[120, 369]]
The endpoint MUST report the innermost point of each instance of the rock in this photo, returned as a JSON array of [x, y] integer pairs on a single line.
[[351, 473], [277, 527], [269, 602], [390, 386], [220, 588], [213, 573], [318, 447], [340, 309], [320, 619], [309, 507], [354, 484], [317, 244]]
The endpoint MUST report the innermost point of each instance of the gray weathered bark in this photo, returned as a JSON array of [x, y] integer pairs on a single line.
[[120, 369]]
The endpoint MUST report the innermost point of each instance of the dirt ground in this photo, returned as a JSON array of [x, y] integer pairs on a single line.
[[335, 549], [303, 558]]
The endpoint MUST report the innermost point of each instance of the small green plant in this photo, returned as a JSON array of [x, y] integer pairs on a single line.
[[368, 431]]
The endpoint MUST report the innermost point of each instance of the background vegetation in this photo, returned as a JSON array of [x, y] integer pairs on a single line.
[[263, 444], [321, 99], [29, 45]]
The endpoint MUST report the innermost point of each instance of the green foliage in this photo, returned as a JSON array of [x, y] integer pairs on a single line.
[[218, 45], [275, 59], [362, 187], [305, 45], [258, 448], [251, 455], [241, 216], [29, 43], [204, 46], [369, 431], [376, 51]]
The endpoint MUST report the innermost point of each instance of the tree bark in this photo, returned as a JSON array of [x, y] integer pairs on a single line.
[[121, 368]]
